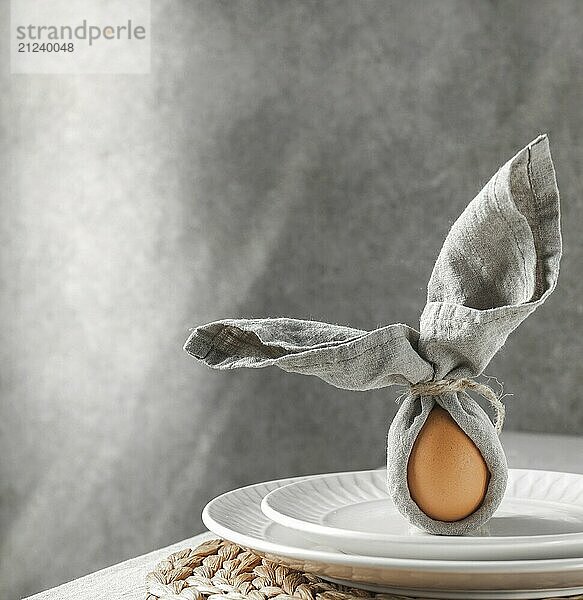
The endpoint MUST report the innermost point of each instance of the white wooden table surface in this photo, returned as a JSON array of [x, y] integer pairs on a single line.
[[125, 581]]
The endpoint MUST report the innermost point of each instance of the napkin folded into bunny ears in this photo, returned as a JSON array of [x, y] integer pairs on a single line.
[[499, 262]]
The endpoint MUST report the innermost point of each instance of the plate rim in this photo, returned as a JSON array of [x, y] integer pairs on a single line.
[[546, 539], [563, 565]]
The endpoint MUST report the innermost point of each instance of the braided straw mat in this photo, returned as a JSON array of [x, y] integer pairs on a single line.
[[220, 569]]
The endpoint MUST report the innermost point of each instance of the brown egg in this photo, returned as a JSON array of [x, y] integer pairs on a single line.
[[447, 475]]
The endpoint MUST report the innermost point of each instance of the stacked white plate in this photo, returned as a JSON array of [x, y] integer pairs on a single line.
[[344, 527]]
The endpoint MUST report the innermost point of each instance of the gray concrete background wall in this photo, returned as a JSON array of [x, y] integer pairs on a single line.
[[283, 158]]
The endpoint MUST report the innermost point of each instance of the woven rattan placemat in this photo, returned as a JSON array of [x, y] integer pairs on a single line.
[[220, 568]]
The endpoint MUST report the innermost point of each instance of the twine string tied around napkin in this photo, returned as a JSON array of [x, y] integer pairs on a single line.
[[441, 386]]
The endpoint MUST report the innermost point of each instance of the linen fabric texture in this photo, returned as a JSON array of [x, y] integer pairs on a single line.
[[499, 262]]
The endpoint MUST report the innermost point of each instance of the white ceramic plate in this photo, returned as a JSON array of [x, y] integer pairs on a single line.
[[541, 516], [237, 516]]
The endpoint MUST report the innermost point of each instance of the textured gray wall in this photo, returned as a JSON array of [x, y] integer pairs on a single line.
[[283, 158]]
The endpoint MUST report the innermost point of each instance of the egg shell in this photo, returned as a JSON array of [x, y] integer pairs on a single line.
[[446, 473]]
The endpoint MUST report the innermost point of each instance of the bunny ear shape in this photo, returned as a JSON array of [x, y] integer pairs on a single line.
[[348, 358], [499, 262]]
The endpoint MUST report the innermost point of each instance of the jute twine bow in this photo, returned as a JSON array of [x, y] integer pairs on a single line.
[[441, 386]]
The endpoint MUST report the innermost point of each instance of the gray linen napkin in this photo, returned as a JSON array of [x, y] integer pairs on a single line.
[[499, 262]]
